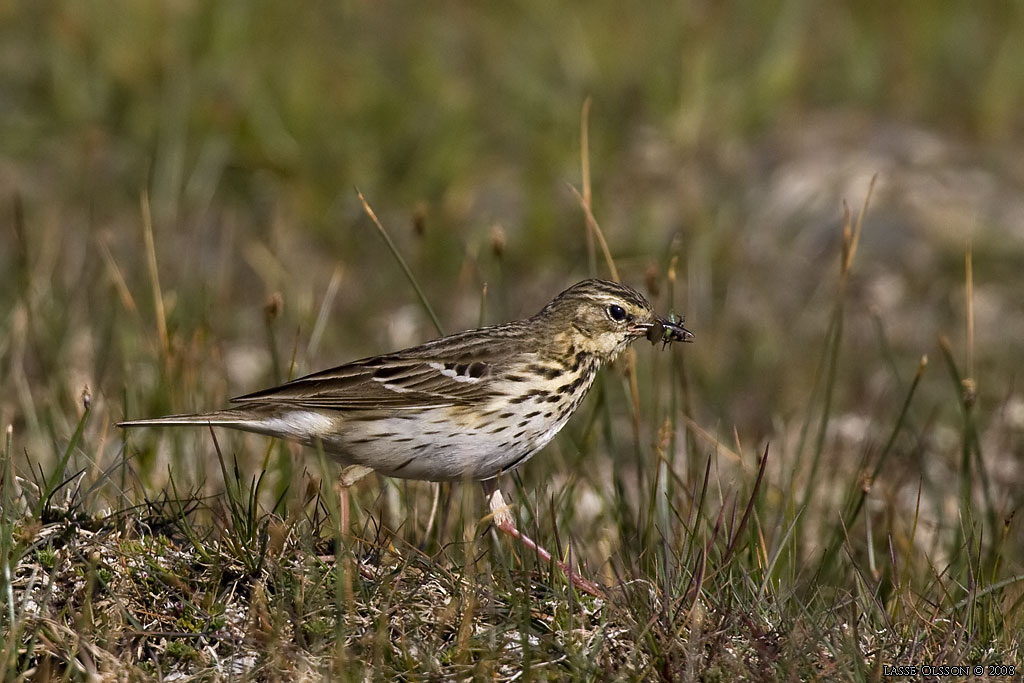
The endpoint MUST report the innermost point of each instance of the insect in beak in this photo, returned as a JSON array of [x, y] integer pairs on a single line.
[[668, 330]]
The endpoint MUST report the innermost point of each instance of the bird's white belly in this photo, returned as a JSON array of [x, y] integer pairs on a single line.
[[412, 450]]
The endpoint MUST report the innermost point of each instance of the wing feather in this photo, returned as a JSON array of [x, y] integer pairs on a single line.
[[450, 371]]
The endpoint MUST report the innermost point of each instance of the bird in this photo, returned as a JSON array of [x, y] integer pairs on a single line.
[[471, 405]]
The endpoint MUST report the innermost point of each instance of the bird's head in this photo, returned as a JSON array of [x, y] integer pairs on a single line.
[[603, 317]]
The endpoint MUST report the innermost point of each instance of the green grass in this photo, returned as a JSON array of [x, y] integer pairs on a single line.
[[824, 484]]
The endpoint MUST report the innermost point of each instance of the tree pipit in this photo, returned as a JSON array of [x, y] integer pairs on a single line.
[[472, 405]]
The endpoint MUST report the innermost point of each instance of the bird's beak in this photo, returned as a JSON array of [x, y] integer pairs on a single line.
[[665, 330]]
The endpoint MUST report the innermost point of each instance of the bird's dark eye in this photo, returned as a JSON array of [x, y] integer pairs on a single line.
[[616, 312]]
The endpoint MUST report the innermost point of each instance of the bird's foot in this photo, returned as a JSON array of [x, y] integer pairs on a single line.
[[501, 516]]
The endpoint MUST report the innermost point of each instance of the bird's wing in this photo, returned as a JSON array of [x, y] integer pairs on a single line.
[[456, 370]]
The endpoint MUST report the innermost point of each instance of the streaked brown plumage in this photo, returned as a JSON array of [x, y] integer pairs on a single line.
[[471, 405]]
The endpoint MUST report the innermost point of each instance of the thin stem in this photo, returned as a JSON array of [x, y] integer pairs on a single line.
[[401, 262]]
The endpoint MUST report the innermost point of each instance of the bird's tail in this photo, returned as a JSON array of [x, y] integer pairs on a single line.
[[297, 424], [220, 418]]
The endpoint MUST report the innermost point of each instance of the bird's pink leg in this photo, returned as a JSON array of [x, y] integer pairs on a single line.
[[502, 518]]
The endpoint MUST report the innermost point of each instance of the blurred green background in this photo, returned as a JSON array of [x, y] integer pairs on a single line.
[[726, 135]]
